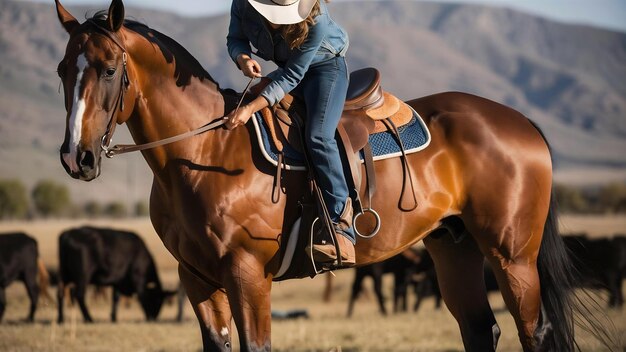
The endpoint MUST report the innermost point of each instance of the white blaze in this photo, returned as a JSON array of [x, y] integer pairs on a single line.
[[224, 331], [76, 117]]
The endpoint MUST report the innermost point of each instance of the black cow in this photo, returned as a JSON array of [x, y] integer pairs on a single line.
[[403, 266], [426, 285], [108, 257], [19, 260], [619, 242], [619, 245], [599, 264]]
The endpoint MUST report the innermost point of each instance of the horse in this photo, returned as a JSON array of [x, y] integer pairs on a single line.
[[487, 167]]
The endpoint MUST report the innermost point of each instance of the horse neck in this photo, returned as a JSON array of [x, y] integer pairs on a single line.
[[170, 96]]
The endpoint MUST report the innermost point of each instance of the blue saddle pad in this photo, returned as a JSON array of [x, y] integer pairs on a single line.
[[415, 137]]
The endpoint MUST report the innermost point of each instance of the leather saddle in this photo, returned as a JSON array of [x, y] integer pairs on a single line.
[[368, 109], [365, 109]]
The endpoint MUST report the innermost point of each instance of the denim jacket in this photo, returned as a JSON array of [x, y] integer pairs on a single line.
[[326, 40]]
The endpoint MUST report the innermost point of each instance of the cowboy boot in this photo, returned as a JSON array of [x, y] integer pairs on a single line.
[[325, 252]]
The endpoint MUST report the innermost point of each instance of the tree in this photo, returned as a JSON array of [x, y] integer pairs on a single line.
[[50, 198], [612, 197], [142, 209], [570, 199], [93, 209], [13, 200], [116, 210]]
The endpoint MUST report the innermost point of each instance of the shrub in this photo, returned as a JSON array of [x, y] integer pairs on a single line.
[[142, 209], [13, 200], [570, 199], [50, 198], [612, 197], [116, 210], [93, 209]]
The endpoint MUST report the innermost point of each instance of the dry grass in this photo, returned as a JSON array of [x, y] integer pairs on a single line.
[[327, 328]]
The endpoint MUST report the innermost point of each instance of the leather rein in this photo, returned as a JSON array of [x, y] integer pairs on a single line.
[[118, 149]]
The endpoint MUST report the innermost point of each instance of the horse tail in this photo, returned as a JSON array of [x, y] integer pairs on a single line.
[[555, 330], [561, 308], [44, 280]]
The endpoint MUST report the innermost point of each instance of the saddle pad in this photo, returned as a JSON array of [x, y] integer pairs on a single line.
[[415, 137]]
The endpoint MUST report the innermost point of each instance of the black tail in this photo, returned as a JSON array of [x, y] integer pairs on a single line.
[[562, 307], [556, 326]]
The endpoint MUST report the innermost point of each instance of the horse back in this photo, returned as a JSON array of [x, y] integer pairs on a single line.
[[473, 128], [480, 151]]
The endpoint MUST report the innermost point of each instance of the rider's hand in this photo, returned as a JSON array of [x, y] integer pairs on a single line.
[[249, 66], [239, 117]]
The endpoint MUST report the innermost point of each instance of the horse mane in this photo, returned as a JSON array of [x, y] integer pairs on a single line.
[[187, 65]]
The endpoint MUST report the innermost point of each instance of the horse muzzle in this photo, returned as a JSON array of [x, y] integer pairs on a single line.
[[82, 165]]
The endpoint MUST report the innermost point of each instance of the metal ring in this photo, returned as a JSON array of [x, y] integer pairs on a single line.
[[376, 229], [105, 148]]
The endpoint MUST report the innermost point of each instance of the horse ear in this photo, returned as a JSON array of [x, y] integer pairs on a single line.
[[68, 21], [116, 15]]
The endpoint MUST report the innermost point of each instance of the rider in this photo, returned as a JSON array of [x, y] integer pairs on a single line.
[[309, 48]]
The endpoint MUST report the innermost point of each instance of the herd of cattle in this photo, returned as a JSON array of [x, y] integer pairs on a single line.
[[598, 263], [120, 259], [87, 256]]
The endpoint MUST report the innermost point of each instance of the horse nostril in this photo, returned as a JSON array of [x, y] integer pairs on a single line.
[[87, 160]]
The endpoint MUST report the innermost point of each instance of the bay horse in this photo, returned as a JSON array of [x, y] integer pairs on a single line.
[[487, 166]]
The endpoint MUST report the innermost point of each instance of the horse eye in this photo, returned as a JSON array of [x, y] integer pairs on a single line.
[[109, 72]]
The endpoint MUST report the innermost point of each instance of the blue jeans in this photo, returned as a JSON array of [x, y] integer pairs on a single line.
[[323, 90]]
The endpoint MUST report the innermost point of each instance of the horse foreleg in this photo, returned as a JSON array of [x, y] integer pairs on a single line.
[[212, 310], [248, 290], [459, 270]]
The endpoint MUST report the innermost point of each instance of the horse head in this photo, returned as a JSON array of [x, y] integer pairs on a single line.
[[95, 81]]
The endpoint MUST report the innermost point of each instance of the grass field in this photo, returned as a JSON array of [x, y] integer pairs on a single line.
[[326, 329]]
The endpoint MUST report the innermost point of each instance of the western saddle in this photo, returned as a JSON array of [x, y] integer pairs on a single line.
[[368, 109]]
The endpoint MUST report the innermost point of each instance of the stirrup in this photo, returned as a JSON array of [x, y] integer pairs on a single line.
[[324, 266]]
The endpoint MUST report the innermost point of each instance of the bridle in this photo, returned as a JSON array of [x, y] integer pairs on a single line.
[[117, 149], [124, 84]]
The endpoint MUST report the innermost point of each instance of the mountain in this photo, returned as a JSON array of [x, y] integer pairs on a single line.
[[570, 79]]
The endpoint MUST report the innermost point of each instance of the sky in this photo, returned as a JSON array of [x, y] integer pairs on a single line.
[[604, 13]]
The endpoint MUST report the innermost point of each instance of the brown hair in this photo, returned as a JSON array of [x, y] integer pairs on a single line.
[[296, 34]]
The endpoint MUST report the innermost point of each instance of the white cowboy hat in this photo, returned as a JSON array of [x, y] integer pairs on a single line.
[[284, 11]]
